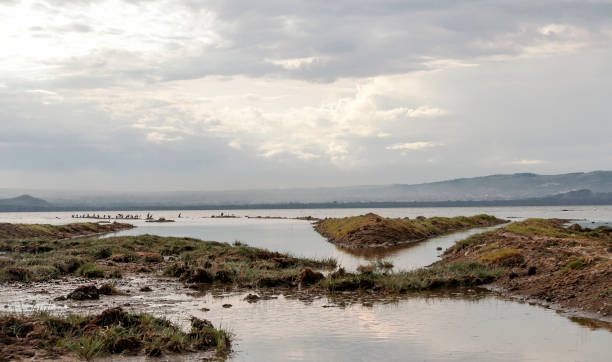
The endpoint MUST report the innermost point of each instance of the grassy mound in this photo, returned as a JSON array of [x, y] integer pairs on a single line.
[[114, 331], [373, 230]]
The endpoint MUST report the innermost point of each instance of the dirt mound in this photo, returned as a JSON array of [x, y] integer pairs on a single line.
[[570, 267]]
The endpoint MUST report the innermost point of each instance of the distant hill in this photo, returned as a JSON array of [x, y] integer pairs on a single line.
[[23, 203], [521, 188]]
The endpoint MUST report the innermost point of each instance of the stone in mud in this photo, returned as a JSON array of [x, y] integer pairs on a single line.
[[146, 289], [106, 289], [308, 277], [85, 292], [252, 298]]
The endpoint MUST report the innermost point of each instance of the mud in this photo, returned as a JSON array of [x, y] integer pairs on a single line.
[[565, 271]]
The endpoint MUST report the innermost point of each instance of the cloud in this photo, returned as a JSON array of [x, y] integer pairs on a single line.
[[412, 146], [345, 89], [528, 162], [158, 137]]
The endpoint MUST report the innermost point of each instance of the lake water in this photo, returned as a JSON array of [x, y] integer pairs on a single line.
[[472, 327]]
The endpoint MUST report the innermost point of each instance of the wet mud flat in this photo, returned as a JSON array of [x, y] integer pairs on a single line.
[[303, 317]]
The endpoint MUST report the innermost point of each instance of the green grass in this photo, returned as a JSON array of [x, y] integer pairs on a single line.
[[113, 332], [341, 229], [574, 264], [437, 276], [42, 260], [502, 256]]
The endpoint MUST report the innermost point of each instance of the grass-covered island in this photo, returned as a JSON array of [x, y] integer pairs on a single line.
[[371, 230]]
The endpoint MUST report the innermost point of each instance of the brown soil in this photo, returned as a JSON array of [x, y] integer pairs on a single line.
[[568, 269], [22, 231]]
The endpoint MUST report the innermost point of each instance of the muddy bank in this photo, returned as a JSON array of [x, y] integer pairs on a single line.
[[371, 230], [545, 262], [23, 231]]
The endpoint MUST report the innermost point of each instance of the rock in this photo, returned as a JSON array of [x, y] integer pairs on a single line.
[[106, 289], [146, 289], [308, 277], [227, 306], [84, 292], [252, 298], [439, 248], [205, 309], [531, 270], [513, 275]]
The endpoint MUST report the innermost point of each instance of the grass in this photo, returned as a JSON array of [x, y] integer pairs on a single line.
[[574, 264], [502, 256], [46, 231], [114, 331], [437, 276], [190, 259], [341, 229]]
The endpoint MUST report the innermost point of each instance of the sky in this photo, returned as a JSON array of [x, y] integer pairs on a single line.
[[216, 95]]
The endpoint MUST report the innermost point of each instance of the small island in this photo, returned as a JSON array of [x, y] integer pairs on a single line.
[[372, 230]]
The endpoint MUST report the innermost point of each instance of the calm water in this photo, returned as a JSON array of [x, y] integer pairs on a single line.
[[298, 237], [460, 328]]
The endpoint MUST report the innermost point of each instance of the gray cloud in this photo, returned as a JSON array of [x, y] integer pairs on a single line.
[[213, 94]]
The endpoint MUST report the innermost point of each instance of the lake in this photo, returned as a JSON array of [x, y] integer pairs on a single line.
[[466, 326]]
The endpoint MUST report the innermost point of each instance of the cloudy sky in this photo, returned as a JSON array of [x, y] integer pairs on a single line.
[[198, 95]]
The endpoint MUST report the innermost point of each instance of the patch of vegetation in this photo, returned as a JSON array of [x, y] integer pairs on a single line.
[[194, 261], [114, 331], [502, 256], [45, 231], [540, 227], [436, 276], [90, 271], [574, 264], [343, 230]]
